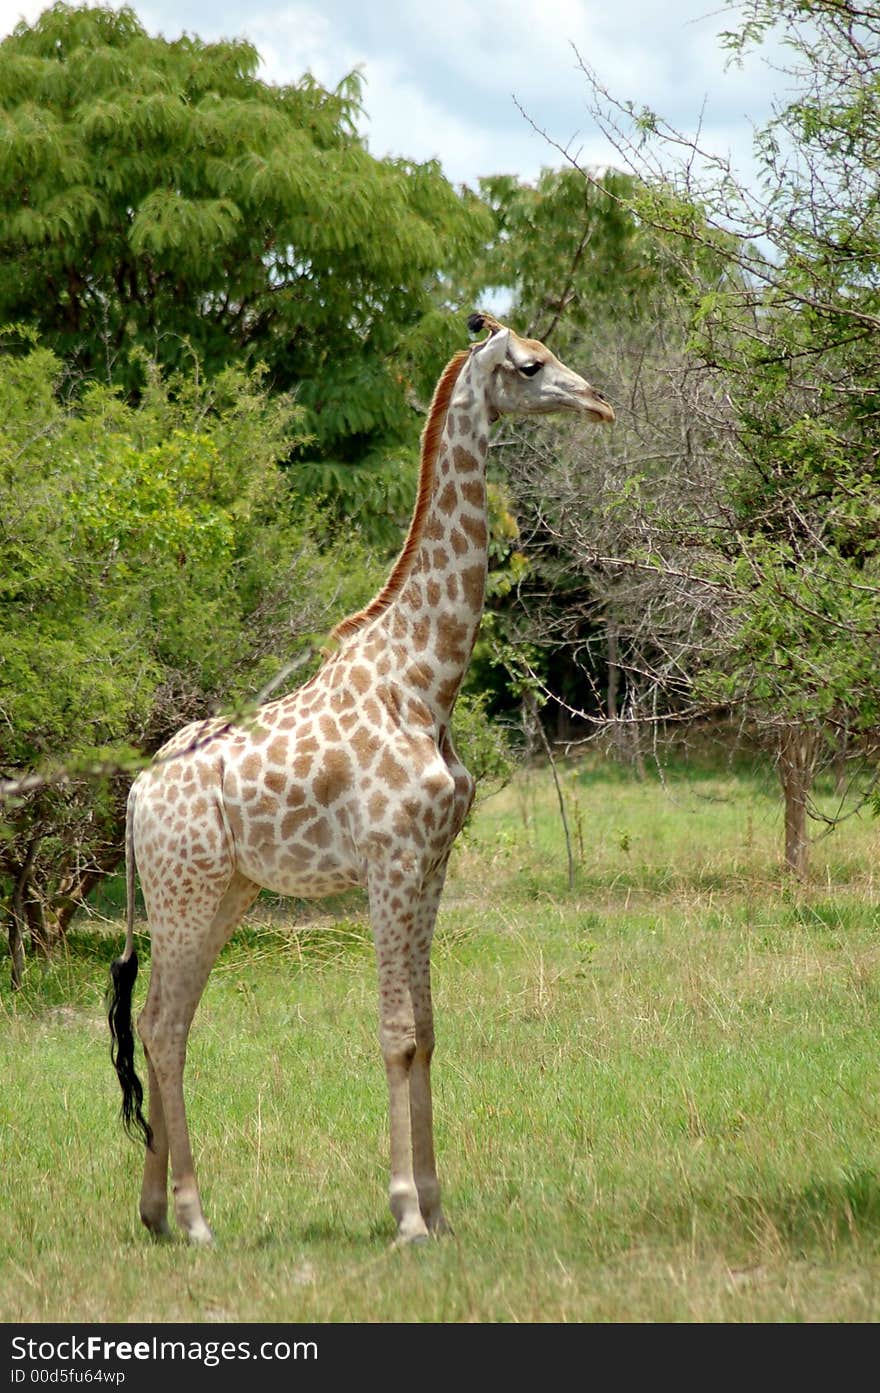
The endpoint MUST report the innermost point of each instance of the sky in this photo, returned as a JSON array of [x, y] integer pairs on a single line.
[[469, 81]]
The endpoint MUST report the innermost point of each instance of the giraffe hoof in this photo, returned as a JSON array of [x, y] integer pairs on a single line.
[[440, 1228], [416, 1240], [200, 1236], [158, 1229], [406, 1238]]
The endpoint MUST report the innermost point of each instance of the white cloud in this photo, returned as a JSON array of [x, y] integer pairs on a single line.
[[299, 39], [442, 75], [11, 11], [406, 120]]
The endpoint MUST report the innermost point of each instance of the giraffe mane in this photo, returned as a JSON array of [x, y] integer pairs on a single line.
[[430, 448]]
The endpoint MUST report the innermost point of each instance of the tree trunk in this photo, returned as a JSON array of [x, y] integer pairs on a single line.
[[532, 709], [627, 739], [19, 916], [40, 935], [798, 751], [613, 675], [636, 756], [16, 947], [841, 750]]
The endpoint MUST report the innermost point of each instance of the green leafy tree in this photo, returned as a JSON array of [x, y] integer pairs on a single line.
[[156, 569], [567, 251], [156, 196]]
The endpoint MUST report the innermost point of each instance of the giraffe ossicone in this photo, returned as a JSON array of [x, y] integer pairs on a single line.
[[350, 780]]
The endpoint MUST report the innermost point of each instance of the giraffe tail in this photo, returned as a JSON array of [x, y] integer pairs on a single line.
[[123, 973]]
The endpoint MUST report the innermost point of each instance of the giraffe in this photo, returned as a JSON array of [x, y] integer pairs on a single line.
[[352, 779]]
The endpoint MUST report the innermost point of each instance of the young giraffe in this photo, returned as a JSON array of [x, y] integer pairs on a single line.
[[350, 780]]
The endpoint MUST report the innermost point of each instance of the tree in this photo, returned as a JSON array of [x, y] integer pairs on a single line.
[[157, 197], [582, 271], [785, 344], [155, 569], [567, 250]]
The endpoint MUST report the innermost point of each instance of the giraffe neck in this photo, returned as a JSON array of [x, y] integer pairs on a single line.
[[433, 621]]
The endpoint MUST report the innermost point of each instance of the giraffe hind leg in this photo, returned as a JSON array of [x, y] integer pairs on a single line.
[[154, 1190], [185, 947]]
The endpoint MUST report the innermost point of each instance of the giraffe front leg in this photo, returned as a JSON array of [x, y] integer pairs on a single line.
[[397, 1038], [421, 1109], [392, 929], [402, 1192]]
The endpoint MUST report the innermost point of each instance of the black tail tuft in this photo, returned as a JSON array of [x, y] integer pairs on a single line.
[[122, 974]]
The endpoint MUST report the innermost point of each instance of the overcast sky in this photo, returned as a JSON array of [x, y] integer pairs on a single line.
[[444, 77]]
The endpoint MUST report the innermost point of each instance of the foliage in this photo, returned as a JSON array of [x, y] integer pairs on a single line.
[[791, 339], [721, 543], [157, 197], [155, 569], [484, 745], [566, 250], [584, 278]]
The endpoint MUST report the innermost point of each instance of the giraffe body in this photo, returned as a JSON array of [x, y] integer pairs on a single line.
[[350, 780]]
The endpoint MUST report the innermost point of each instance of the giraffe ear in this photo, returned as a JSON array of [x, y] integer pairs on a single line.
[[493, 350]]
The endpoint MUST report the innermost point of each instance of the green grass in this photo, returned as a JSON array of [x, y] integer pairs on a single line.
[[656, 1097]]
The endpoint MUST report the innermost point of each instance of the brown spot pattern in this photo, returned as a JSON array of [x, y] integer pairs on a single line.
[[333, 777]]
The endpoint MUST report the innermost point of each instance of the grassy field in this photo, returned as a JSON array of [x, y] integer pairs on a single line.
[[656, 1097]]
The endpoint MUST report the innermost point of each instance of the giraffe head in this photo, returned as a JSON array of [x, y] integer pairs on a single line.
[[525, 379]]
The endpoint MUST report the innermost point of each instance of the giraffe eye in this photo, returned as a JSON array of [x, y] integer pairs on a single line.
[[529, 369]]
